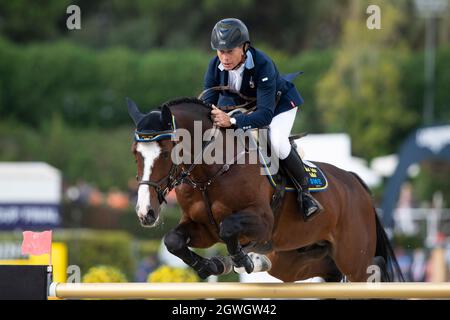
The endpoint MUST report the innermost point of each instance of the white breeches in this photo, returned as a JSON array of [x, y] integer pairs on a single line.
[[280, 129]]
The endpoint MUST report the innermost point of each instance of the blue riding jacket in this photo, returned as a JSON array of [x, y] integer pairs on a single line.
[[260, 79]]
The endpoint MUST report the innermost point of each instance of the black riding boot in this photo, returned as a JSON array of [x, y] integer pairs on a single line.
[[294, 166]]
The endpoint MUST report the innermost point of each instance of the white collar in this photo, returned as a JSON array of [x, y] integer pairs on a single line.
[[249, 63], [239, 70]]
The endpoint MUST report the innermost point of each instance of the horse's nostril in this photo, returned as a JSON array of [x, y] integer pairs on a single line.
[[151, 213], [149, 219]]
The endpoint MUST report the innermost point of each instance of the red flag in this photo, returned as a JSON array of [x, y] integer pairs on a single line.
[[37, 243]]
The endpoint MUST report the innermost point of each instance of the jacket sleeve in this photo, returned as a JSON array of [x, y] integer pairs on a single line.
[[265, 99], [211, 80]]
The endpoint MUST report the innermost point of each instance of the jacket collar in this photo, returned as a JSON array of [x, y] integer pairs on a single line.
[[249, 63]]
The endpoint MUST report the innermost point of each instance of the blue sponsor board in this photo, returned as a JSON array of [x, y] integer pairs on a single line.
[[29, 216]]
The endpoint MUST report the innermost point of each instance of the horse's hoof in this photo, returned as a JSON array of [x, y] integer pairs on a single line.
[[203, 274], [248, 265], [224, 264], [207, 268], [243, 260]]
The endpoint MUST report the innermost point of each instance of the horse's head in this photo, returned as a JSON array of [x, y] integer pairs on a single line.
[[152, 150]]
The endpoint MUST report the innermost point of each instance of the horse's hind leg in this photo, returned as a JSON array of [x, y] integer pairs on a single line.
[[177, 240], [290, 266], [242, 225], [355, 250]]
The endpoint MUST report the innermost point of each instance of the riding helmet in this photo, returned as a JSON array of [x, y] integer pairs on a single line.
[[228, 34]]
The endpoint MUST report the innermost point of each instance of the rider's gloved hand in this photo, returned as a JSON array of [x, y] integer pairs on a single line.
[[220, 118]]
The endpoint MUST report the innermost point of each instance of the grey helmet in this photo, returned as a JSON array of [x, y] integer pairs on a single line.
[[228, 34]]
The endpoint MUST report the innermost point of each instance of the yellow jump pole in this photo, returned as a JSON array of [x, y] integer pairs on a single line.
[[355, 290]]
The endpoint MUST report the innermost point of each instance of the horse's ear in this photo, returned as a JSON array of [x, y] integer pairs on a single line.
[[133, 111], [166, 118]]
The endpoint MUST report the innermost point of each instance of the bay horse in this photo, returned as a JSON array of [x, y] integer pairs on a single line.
[[231, 205]]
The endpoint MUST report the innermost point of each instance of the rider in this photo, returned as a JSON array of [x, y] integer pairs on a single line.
[[253, 74]]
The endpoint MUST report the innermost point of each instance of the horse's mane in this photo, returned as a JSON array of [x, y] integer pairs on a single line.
[[181, 100], [198, 108]]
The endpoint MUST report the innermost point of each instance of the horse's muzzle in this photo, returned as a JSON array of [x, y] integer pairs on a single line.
[[149, 219]]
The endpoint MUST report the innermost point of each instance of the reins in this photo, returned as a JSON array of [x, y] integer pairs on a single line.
[[250, 105]]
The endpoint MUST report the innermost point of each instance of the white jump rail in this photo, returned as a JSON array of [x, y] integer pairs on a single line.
[[355, 290]]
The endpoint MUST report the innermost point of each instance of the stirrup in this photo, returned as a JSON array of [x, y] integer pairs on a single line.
[[312, 209]]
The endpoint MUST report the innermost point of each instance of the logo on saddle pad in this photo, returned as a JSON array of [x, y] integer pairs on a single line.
[[317, 180]]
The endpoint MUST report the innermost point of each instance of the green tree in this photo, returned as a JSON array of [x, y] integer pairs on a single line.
[[361, 92], [24, 20]]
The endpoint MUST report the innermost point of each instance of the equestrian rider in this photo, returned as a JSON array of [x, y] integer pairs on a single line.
[[253, 74]]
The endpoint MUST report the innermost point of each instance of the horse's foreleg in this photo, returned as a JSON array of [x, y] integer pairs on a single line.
[[235, 226], [177, 240]]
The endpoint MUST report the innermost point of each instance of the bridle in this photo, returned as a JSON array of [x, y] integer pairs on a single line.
[[176, 177], [170, 180]]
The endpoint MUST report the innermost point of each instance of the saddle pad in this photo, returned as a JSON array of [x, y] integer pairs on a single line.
[[317, 179]]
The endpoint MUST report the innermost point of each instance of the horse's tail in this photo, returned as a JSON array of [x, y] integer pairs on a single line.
[[384, 249]]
